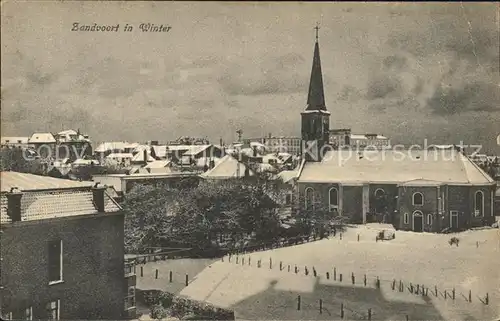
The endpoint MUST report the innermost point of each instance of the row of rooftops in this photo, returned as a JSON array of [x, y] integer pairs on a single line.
[[47, 138]]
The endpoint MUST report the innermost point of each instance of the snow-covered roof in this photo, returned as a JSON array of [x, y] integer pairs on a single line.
[[120, 155], [226, 167], [42, 138], [14, 140], [158, 164], [390, 166], [110, 146]]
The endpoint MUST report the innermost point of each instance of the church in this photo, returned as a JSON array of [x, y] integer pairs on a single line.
[[431, 190]]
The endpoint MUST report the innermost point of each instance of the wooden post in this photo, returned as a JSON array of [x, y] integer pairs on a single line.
[[314, 272], [353, 279], [407, 317], [328, 275], [298, 302], [320, 306], [340, 235], [487, 299], [393, 284], [364, 279], [335, 274], [156, 274], [341, 310], [340, 277], [436, 290], [358, 237], [445, 294], [170, 277], [249, 260], [453, 294], [142, 271], [296, 270], [281, 265], [288, 267], [229, 259], [306, 271], [378, 283], [237, 260], [470, 296], [270, 263], [369, 314], [243, 261], [187, 280]]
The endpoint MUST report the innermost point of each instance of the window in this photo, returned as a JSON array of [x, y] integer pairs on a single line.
[[28, 314], [379, 193], [405, 218], [429, 219], [418, 199], [479, 204], [130, 298], [309, 198], [55, 262], [334, 198], [53, 310]]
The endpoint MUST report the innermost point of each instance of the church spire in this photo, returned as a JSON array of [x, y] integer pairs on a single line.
[[316, 96]]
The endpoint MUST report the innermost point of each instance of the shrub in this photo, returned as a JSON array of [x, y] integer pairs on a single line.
[[158, 312]]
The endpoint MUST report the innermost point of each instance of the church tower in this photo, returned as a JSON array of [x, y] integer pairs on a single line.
[[315, 119]]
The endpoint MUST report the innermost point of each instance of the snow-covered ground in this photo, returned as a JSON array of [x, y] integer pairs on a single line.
[[419, 258]]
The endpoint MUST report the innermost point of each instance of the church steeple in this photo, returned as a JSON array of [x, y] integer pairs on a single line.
[[315, 119], [316, 96]]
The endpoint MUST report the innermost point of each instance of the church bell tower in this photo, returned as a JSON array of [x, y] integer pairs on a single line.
[[315, 118]]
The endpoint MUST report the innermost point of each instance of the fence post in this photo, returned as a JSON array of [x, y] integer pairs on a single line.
[[369, 314], [314, 272], [453, 294], [298, 302], [340, 235], [487, 299], [320, 306], [270, 263], [364, 279], [445, 294], [328, 275], [393, 284], [187, 280], [470, 295], [281, 265], [341, 310], [156, 274], [229, 258], [142, 271], [340, 277], [296, 270], [237, 260], [335, 274], [377, 283], [243, 261], [358, 237], [288, 267], [170, 277], [306, 271], [353, 278], [249, 260], [436, 290]]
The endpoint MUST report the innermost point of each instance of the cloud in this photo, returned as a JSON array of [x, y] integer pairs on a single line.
[[383, 86], [477, 96], [277, 75]]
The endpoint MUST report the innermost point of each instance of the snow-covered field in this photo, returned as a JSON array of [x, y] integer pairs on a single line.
[[419, 258]]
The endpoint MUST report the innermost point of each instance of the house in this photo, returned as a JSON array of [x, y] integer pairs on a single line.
[[123, 183], [124, 159], [160, 166], [44, 144], [278, 144], [62, 250], [342, 138], [428, 190], [14, 142], [106, 148]]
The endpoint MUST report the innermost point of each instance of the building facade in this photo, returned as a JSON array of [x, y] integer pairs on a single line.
[[282, 144], [62, 250], [342, 138]]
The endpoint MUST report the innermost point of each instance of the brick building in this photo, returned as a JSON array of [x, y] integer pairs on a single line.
[[62, 250], [426, 190]]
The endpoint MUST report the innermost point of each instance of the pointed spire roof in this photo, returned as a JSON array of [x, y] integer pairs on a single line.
[[316, 96]]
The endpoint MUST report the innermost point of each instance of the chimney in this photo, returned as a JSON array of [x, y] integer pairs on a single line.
[[14, 204], [145, 154], [98, 197]]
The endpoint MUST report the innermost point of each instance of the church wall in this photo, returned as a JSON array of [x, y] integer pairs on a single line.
[[353, 203], [391, 193], [430, 206]]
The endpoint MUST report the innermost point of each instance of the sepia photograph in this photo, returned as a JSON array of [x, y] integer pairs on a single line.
[[205, 160]]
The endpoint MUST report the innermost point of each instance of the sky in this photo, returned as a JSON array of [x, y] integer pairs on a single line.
[[409, 71]]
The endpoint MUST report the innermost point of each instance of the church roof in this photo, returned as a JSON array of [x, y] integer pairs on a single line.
[[395, 167], [316, 95]]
